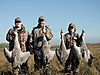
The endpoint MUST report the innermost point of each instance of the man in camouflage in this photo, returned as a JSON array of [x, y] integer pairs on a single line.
[[23, 37], [37, 42], [72, 63]]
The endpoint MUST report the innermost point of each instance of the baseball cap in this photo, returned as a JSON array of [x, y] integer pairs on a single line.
[[41, 18], [17, 19]]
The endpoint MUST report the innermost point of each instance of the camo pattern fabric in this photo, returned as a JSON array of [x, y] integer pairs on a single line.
[[37, 37], [68, 39], [23, 37]]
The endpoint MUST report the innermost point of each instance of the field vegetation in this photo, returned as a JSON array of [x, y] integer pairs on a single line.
[[56, 67]]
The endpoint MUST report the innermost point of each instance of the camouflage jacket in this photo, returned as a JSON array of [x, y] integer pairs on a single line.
[[68, 39], [23, 37], [37, 37]]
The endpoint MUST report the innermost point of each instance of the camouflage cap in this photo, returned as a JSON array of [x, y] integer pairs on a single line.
[[71, 25], [17, 19], [41, 17]]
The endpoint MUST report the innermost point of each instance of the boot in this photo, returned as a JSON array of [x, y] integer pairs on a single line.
[[16, 71], [75, 73], [67, 70]]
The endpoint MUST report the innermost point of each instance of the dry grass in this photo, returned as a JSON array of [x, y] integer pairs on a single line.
[[56, 67]]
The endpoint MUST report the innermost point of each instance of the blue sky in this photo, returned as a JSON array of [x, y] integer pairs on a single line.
[[58, 13]]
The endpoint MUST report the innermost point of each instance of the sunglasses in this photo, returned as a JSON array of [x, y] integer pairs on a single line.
[[71, 27], [18, 22], [41, 20]]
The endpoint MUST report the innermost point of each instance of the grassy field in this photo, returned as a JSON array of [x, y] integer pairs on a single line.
[[56, 67]]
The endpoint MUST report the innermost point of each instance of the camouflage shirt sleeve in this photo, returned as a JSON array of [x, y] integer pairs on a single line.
[[31, 42], [48, 34], [10, 36], [67, 40], [27, 42]]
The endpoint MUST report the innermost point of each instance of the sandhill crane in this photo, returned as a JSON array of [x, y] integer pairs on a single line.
[[62, 53], [16, 56]]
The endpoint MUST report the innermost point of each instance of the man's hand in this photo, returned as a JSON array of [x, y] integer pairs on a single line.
[[14, 32], [43, 31]]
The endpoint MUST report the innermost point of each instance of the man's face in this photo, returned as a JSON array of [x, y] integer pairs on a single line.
[[72, 29], [42, 22], [18, 24]]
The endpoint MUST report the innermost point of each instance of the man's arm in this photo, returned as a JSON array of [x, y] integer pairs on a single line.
[[79, 40], [10, 36], [31, 42], [48, 34], [27, 42]]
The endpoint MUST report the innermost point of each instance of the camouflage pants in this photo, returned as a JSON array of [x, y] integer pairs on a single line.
[[38, 58], [72, 63]]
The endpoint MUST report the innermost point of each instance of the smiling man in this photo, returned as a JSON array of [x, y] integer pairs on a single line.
[[37, 41], [23, 37]]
